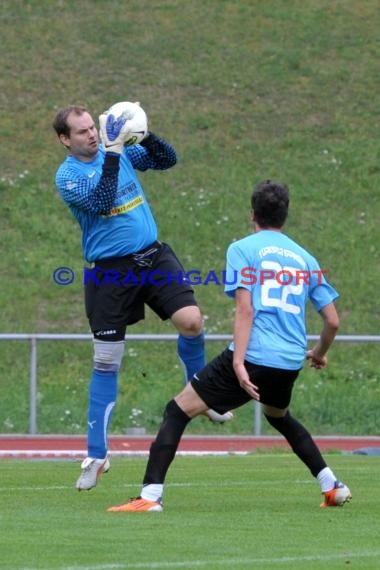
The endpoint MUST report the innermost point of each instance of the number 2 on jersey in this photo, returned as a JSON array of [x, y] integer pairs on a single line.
[[269, 284]]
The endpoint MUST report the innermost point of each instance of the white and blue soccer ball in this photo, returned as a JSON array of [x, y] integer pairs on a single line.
[[136, 115]]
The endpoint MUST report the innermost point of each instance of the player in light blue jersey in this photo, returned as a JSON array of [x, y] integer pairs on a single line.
[[271, 278], [119, 239]]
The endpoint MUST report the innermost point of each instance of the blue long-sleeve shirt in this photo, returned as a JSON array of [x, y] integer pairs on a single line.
[[108, 201]]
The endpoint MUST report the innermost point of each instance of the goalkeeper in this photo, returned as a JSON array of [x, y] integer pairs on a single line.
[[99, 184]]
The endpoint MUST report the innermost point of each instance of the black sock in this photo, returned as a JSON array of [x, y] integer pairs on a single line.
[[163, 449], [300, 441]]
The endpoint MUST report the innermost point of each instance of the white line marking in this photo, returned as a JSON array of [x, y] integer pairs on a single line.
[[137, 485], [59, 453], [346, 556]]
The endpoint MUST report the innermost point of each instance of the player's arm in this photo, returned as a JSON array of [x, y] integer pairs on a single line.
[[153, 152], [242, 330], [88, 194], [317, 355]]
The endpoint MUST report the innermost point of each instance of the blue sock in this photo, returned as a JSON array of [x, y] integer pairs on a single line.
[[191, 352], [103, 393]]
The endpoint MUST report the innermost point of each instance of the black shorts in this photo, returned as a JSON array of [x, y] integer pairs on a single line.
[[116, 290], [219, 387]]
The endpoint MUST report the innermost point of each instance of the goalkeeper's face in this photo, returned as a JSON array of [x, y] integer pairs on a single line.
[[83, 140]]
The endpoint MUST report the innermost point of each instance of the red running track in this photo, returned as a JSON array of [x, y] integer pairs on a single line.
[[61, 446]]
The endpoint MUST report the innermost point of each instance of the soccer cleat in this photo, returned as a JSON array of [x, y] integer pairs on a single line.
[[213, 416], [339, 495], [138, 505], [91, 471]]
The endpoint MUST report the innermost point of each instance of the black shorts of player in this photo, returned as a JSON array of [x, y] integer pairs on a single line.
[[219, 387], [117, 290]]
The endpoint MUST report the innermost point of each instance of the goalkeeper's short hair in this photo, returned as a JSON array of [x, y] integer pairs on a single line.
[[60, 124]]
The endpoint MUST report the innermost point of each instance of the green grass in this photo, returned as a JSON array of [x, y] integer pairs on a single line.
[[329, 402], [255, 511], [244, 90]]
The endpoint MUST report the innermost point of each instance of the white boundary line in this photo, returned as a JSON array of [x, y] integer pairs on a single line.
[[226, 562], [72, 453]]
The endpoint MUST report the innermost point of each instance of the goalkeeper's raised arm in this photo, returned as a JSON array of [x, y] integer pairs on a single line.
[[153, 152]]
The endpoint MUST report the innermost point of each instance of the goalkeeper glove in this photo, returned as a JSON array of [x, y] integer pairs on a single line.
[[113, 132]]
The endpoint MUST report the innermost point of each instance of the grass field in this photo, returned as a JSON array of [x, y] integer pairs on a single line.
[[255, 511], [244, 90]]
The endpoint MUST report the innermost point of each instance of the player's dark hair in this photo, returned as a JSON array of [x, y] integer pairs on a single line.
[[270, 203], [60, 124]]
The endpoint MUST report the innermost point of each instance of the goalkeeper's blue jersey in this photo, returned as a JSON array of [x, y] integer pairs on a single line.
[[123, 225], [281, 276]]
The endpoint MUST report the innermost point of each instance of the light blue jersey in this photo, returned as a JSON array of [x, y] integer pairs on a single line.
[[281, 277], [111, 208]]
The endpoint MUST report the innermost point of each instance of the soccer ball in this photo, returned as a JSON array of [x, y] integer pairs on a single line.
[[137, 118]]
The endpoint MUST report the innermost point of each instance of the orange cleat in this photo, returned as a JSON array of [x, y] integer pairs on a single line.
[[339, 495], [138, 505]]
